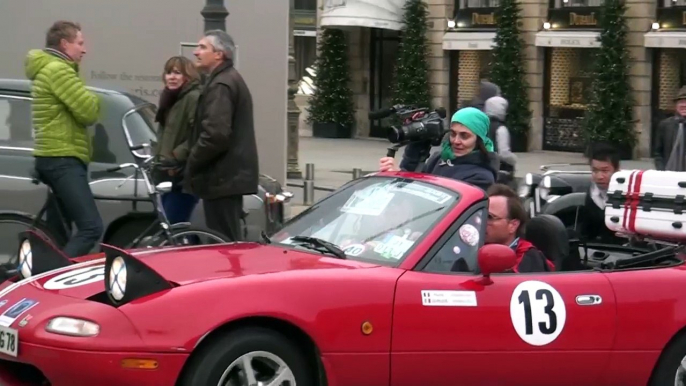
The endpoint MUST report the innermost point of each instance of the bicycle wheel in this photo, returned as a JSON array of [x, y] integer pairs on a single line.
[[187, 235], [8, 239]]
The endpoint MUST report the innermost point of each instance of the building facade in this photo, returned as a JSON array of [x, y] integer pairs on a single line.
[[560, 39]]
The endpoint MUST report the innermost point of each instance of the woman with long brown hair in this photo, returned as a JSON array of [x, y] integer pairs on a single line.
[[176, 116]]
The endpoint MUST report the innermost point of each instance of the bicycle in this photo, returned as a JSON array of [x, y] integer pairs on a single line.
[[159, 233]]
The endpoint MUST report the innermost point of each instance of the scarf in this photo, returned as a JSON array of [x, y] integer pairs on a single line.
[[167, 100]]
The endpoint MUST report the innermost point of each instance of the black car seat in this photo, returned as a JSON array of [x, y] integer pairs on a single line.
[[549, 235]]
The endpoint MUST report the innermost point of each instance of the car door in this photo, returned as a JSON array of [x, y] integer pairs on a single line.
[[523, 329]]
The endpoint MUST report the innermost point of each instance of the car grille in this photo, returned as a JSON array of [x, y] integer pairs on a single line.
[[23, 373]]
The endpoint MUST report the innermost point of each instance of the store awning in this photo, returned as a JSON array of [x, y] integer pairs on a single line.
[[574, 39], [663, 39], [467, 41], [386, 14]]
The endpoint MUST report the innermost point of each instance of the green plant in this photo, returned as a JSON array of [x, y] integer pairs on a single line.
[[332, 100], [609, 116], [412, 67], [507, 67]]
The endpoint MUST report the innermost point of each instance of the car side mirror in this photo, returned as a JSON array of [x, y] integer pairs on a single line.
[[495, 258]]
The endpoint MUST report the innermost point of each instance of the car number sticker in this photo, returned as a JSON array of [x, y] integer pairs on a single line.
[[354, 250], [393, 247], [469, 234], [449, 298], [76, 278], [12, 313], [538, 312]]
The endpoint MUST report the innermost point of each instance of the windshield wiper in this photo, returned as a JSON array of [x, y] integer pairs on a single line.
[[318, 244]]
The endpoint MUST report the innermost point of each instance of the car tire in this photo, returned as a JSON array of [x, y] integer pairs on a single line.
[[666, 371], [208, 365]]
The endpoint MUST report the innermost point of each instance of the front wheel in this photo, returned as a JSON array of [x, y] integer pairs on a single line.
[[246, 357], [185, 235]]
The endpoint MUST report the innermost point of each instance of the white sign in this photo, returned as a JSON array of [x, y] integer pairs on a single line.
[[538, 312], [469, 41], [76, 278], [578, 39], [354, 249], [449, 298], [387, 14]]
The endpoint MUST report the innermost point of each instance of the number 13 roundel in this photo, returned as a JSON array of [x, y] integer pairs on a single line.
[[538, 312]]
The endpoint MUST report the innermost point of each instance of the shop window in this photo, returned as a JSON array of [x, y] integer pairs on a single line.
[[465, 4], [570, 78], [473, 66], [307, 5], [305, 48], [672, 76], [577, 3], [672, 3]]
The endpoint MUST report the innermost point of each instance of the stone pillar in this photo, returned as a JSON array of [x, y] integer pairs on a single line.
[[534, 13], [293, 170], [439, 60], [214, 13], [640, 14]]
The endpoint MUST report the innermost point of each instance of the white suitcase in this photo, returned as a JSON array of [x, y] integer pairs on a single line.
[[648, 203]]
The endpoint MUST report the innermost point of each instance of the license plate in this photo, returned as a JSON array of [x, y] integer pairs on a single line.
[[9, 341]]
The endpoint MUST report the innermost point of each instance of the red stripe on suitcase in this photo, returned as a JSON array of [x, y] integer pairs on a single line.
[[635, 197], [627, 203]]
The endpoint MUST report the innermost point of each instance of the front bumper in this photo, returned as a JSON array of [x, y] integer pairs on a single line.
[[41, 366]]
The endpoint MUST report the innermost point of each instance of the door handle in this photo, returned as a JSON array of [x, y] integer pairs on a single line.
[[588, 300]]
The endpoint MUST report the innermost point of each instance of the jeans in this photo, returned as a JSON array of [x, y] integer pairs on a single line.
[[68, 179], [178, 205]]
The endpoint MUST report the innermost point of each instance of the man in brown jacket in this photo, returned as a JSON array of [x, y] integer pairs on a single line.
[[222, 166], [669, 149]]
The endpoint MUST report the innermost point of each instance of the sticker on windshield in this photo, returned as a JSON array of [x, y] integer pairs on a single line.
[[76, 278], [393, 247], [456, 250], [538, 312], [368, 202], [469, 234], [354, 250], [424, 192]]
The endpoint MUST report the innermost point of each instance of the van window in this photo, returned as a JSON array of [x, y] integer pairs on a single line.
[[15, 122]]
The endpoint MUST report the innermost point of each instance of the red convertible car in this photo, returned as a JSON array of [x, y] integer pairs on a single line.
[[385, 282]]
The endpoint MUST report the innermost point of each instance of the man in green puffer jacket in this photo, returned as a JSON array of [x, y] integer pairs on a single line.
[[62, 109]]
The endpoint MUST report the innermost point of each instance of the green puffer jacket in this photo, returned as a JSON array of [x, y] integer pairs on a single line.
[[62, 106]]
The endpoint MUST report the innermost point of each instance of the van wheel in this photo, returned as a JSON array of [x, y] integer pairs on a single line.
[[671, 369], [247, 357]]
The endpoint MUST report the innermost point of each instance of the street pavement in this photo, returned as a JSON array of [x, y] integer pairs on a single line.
[[335, 159]]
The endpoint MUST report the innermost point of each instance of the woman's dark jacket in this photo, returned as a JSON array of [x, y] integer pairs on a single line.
[[472, 168]]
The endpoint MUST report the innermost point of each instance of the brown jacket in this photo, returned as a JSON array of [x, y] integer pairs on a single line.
[[223, 157]]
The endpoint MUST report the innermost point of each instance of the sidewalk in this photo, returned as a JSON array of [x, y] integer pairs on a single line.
[[335, 159]]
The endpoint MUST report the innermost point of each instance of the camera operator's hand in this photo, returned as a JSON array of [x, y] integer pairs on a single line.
[[387, 164]]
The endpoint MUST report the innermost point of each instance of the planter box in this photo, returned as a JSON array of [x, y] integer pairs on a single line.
[[330, 130]]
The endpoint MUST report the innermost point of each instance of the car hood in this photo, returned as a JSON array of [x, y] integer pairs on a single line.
[[187, 265]]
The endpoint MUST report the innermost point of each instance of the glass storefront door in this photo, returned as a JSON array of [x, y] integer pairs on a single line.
[[383, 52]]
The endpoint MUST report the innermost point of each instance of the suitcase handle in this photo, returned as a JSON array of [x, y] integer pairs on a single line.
[[677, 225]]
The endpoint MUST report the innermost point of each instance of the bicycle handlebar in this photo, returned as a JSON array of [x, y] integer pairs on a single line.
[[122, 166]]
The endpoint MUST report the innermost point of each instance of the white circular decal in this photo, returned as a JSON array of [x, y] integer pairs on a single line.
[[76, 278], [354, 250], [469, 234], [538, 312]]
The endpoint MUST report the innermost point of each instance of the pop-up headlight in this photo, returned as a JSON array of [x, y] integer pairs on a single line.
[[63, 325], [127, 278], [38, 255]]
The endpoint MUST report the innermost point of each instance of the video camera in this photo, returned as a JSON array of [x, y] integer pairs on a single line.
[[418, 124]]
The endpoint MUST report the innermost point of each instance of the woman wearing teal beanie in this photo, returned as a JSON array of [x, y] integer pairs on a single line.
[[466, 156]]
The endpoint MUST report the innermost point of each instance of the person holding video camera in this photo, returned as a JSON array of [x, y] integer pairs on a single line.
[[466, 155]]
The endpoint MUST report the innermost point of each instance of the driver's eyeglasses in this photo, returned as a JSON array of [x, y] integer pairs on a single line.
[[492, 217]]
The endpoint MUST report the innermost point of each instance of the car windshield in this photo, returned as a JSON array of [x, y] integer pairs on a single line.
[[376, 219], [141, 124]]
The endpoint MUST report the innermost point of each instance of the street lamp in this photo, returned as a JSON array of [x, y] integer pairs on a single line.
[[293, 170], [214, 13]]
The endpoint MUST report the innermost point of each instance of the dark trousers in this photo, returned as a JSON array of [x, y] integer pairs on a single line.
[[224, 216], [179, 206], [68, 179]]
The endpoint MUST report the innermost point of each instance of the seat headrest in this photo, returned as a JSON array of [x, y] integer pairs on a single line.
[[549, 235]]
